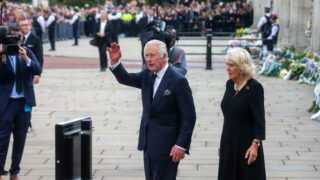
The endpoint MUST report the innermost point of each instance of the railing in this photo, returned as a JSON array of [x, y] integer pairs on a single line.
[[212, 43]]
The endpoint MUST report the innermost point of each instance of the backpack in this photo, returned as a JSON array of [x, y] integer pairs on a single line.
[[266, 28]]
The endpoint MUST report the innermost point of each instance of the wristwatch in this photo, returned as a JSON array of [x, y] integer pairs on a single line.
[[256, 141]]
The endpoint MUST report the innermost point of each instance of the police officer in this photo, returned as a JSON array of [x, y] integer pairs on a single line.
[[75, 21], [51, 25]]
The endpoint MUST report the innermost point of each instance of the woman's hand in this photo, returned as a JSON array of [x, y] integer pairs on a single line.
[[252, 153]]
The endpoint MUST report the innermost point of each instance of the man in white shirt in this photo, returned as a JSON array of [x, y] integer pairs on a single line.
[[168, 116], [51, 25], [103, 31], [75, 25]]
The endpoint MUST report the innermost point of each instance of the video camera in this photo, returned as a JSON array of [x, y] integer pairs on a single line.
[[155, 30], [9, 41]]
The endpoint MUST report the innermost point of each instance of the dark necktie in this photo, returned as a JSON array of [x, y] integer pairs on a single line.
[[24, 40], [18, 76], [170, 56]]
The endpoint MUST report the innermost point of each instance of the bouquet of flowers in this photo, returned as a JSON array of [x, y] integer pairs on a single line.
[[270, 66]]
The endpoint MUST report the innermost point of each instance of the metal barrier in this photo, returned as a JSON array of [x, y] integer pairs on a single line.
[[64, 32], [74, 149], [209, 38]]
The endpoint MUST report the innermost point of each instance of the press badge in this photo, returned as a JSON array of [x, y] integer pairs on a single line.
[[27, 108]]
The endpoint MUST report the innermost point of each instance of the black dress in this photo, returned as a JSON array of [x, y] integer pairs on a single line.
[[244, 120]]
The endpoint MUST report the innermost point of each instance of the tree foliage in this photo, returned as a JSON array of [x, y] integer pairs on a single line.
[[79, 3]]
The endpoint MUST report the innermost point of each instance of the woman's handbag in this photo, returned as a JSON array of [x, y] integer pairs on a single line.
[[94, 42]]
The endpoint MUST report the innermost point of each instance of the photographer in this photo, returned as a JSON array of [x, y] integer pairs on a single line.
[[158, 30], [18, 65]]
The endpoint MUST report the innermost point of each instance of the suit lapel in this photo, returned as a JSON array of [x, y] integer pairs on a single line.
[[162, 87], [149, 88]]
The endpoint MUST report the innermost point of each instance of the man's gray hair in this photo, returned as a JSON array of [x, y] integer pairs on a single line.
[[162, 48]]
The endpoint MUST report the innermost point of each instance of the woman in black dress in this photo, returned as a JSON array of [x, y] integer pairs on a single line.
[[241, 151]]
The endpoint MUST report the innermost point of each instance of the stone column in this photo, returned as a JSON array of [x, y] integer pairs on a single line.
[[258, 8], [37, 3], [299, 15], [282, 8], [315, 35]]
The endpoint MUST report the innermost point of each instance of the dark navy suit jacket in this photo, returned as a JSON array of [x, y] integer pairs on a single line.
[[34, 43], [7, 79], [169, 120]]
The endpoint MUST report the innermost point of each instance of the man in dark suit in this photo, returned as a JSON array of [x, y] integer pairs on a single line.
[[168, 116], [103, 35], [16, 98], [34, 43], [177, 56]]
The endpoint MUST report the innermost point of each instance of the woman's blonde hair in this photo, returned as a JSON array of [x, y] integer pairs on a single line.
[[243, 60]]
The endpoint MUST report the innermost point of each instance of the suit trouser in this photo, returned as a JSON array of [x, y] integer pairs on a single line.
[[17, 121], [163, 169], [75, 35], [103, 56], [270, 45]]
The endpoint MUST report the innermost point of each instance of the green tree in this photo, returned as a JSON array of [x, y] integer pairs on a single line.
[[79, 3]]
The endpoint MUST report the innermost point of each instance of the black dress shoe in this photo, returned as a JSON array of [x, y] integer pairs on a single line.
[[74, 44], [51, 49], [103, 69]]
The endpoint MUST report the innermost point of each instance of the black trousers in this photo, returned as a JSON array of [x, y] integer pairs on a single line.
[[103, 56], [75, 35], [17, 121], [163, 169], [52, 40]]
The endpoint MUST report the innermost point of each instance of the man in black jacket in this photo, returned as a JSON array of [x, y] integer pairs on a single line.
[[33, 42], [103, 35]]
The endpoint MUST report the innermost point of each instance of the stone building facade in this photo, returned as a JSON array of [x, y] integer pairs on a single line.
[[294, 16]]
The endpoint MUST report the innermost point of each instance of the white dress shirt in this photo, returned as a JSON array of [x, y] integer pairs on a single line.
[[42, 23], [158, 79], [102, 26], [50, 20]]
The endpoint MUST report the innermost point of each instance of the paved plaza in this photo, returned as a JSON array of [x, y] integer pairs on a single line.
[[292, 147]]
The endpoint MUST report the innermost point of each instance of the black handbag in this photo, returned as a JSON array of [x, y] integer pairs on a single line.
[[94, 42]]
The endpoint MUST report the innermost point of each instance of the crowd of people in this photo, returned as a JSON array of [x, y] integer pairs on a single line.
[[188, 16]]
